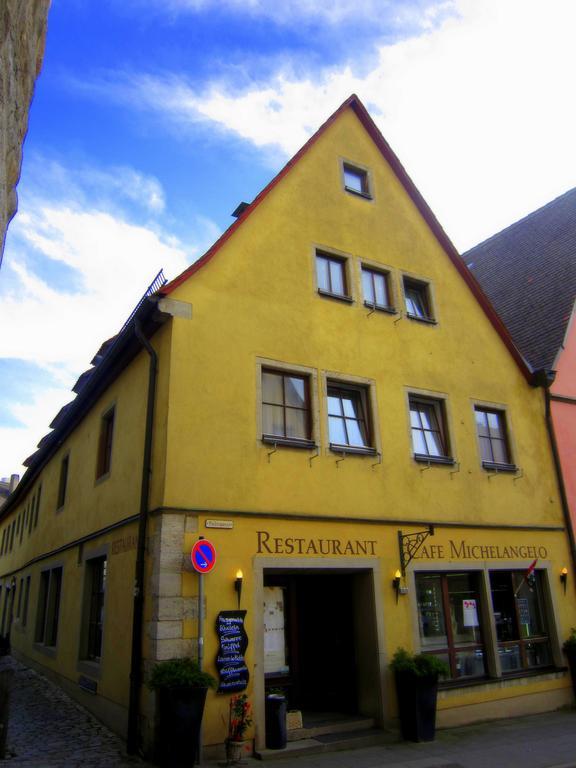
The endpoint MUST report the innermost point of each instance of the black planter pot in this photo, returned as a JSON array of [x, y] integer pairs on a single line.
[[571, 656], [180, 713], [417, 705]]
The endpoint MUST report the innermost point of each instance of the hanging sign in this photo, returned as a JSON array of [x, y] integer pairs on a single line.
[[233, 673], [203, 556]]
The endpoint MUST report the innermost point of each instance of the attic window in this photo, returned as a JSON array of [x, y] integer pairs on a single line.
[[356, 180], [418, 300]]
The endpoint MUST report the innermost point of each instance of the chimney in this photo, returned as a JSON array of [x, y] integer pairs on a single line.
[[14, 480]]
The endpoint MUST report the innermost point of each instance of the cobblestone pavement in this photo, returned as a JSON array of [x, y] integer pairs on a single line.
[[47, 729]]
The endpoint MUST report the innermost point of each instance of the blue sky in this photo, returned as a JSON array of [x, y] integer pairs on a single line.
[[153, 119]]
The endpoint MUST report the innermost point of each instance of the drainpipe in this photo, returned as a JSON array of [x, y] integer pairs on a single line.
[[546, 379], [138, 616]]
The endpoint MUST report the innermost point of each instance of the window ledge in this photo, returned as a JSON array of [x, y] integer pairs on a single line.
[[288, 442], [491, 466], [338, 296], [380, 308], [451, 685], [365, 195], [425, 320], [102, 478], [422, 458], [89, 668], [48, 650], [353, 449]]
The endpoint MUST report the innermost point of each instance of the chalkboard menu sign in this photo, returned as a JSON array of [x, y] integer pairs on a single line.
[[233, 673]]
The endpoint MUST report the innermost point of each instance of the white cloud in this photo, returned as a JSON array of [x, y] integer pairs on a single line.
[[16, 443], [87, 185], [331, 12], [143, 190], [71, 276], [478, 108], [113, 261]]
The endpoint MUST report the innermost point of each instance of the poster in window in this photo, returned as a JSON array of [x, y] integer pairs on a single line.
[[523, 610], [274, 632], [470, 613]]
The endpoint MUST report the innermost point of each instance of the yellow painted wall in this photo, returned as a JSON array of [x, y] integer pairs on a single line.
[[90, 506], [257, 298]]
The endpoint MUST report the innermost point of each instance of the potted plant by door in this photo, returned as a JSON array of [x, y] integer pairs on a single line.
[[417, 689], [240, 719], [181, 689], [569, 648]]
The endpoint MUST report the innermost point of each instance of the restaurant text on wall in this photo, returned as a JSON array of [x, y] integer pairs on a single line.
[[291, 545], [462, 550]]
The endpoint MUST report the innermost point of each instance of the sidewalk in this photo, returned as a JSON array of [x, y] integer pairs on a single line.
[[538, 741]]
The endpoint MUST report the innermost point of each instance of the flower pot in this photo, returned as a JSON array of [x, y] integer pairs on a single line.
[[236, 751], [180, 713], [417, 705]]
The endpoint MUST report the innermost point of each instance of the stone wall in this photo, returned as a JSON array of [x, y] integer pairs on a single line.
[[22, 37]]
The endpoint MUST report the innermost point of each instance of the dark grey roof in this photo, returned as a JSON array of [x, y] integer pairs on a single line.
[[528, 271]]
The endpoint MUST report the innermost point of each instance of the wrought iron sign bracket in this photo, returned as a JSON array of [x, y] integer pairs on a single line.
[[410, 543]]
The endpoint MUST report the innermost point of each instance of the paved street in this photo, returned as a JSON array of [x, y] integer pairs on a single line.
[[539, 741], [49, 730]]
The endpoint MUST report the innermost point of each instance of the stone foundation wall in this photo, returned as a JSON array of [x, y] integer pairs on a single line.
[[22, 38]]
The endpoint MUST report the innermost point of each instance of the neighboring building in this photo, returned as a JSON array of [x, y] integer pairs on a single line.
[[22, 38], [7, 485], [528, 271], [322, 386]]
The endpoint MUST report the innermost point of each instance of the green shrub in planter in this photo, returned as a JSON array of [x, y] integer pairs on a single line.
[[179, 673], [416, 678], [420, 665], [181, 689]]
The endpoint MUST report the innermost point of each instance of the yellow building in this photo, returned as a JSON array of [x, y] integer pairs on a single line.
[[324, 385]]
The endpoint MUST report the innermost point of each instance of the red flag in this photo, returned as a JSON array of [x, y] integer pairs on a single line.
[[527, 576]]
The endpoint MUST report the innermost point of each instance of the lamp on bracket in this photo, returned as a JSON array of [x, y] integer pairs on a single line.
[[396, 583], [238, 584], [564, 577]]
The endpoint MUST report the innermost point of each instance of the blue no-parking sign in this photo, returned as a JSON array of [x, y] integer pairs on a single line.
[[203, 556]]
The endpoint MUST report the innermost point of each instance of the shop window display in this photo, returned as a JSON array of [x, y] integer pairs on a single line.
[[449, 621]]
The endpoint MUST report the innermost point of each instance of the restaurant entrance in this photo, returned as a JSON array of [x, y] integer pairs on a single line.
[[320, 645]]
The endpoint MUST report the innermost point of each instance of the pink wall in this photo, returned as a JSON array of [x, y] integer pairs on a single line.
[[564, 416]]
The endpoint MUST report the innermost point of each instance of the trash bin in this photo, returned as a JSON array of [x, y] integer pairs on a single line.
[[275, 721]]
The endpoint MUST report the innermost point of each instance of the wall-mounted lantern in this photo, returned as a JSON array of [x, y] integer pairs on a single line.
[[238, 584], [564, 578]]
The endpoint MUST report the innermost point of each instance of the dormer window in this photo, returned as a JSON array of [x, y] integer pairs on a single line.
[[356, 180]]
